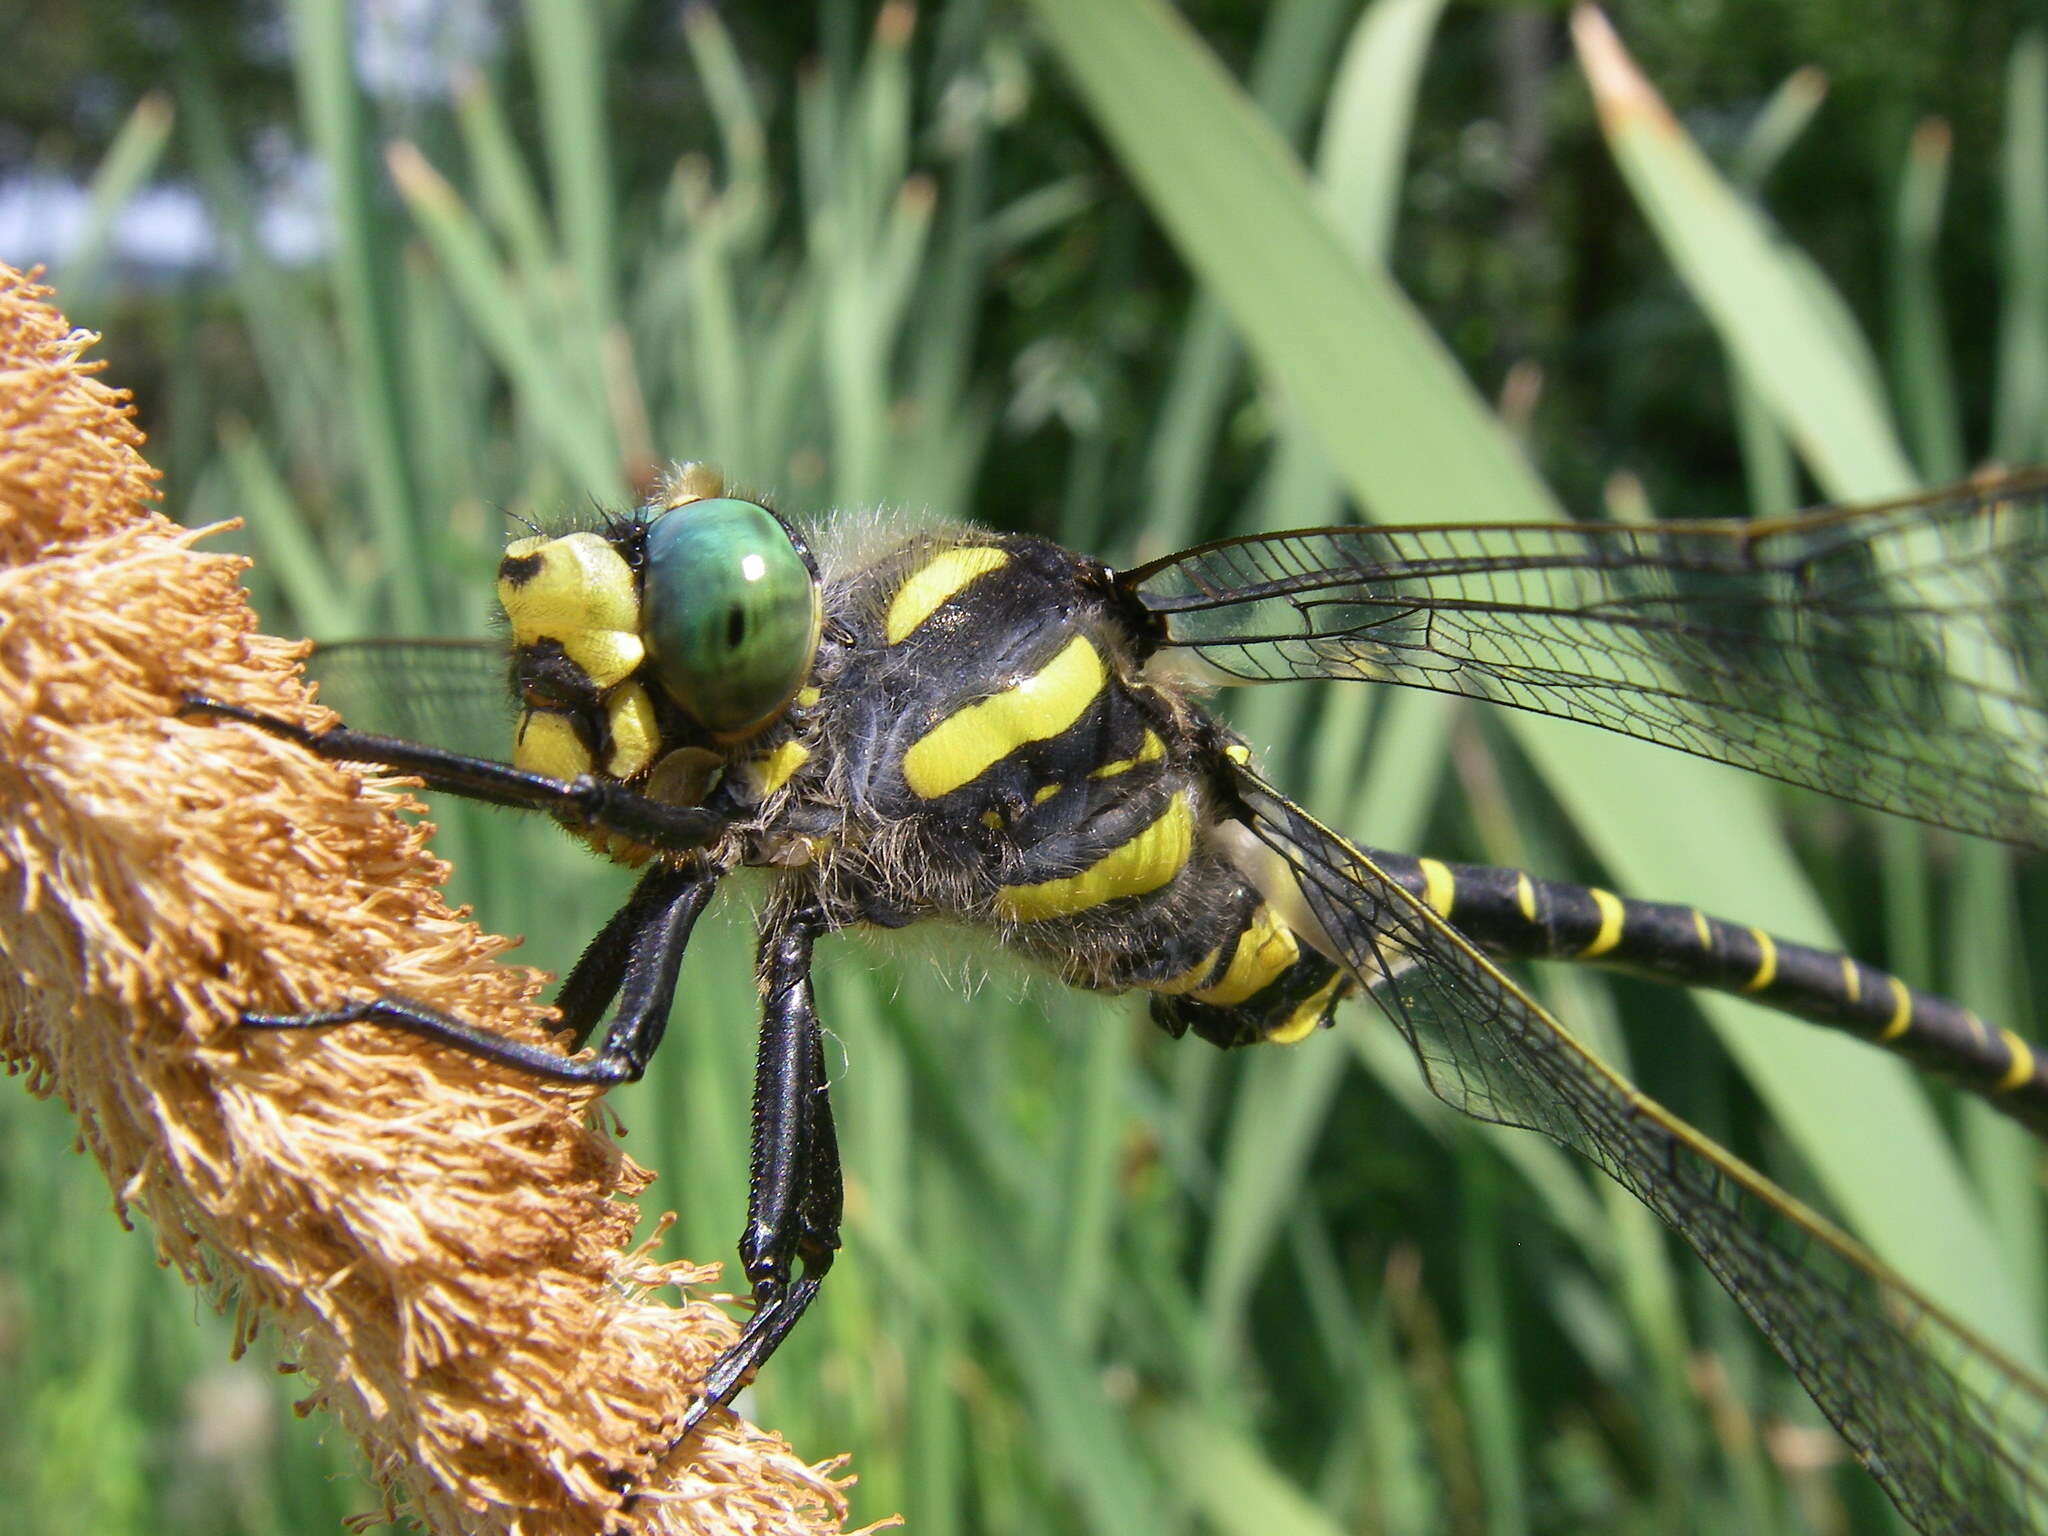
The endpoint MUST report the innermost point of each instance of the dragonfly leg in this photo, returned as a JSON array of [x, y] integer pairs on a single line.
[[795, 1199], [600, 970], [582, 802], [636, 958], [620, 950]]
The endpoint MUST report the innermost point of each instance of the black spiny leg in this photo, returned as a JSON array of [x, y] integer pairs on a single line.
[[584, 802], [631, 953], [636, 957], [794, 1202], [599, 971]]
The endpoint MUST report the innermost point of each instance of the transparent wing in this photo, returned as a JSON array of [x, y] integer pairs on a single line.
[[1889, 655], [1953, 1432], [446, 693]]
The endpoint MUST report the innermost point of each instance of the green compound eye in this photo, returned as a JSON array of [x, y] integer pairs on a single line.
[[730, 613]]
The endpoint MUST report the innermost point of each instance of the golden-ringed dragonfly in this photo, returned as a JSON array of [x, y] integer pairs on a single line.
[[947, 723]]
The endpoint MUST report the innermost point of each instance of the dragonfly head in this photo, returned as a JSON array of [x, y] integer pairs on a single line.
[[686, 628]]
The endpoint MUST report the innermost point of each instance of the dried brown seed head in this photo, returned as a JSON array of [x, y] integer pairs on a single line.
[[443, 1246]]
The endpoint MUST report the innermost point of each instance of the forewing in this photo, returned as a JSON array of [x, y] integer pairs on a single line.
[[1953, 1432], [445, 693], [1893, 656]]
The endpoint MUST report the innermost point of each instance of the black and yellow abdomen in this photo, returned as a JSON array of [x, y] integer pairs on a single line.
[[1517, 915]]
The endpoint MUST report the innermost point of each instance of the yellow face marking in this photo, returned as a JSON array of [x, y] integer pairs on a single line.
[[933, 583], [1703, 930], [2022, 1069], [579, 592], [1045, 792], [807, 698], [992, 821], [1766, 961], [1439, 889], [546, 742], [1611, 915], [1525, 898], [1265, 949], [1852, 987], [1150, 751], [967, 743], [1301, 1023], [767, 773], [1188, 979], [1238, 752], [636, 737], [1902, 1011], [1143, 864]]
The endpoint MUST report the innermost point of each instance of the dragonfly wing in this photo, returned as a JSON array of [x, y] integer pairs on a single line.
[[445, 693], [1890, 655], [1954, 1432]]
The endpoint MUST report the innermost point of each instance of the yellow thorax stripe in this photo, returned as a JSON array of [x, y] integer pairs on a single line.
[[767, 773], [1144, 863], [1150, 751], [933, 582], [970, 741]]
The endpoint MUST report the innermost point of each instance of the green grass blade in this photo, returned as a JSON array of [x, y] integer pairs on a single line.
[[733, 108], [289, 548], [2020, 432], [1760, 296], [1370, 117], [333, 108], [127, 165], [569, 69], [1292, 46], [1238, 1491], [1922, 375], [1281, 1104], [504, 189], [1786, 115], [563, 416], [1767, 457], [303, 396], [1337, 336]]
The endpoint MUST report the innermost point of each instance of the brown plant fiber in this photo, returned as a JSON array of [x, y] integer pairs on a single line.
[[442, 1246]]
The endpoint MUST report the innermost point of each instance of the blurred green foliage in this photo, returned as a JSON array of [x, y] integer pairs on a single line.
[[1094, 1280]]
